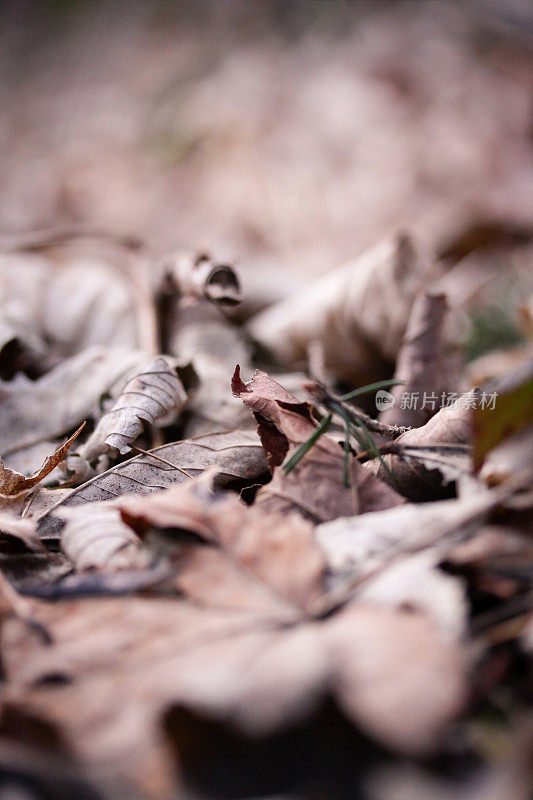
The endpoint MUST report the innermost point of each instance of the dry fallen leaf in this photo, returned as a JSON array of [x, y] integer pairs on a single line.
[[357, 313], [427, 475], [198, 276], [357, 546], [513, 411], [511, 457], [213, 344], [429, 362], [393, 675], [100, 540], [71, 392], [18, 532], [237, 457], [13, 483], [155, 395], [253, 553], [316, 486], [42, 297], [241, 653]]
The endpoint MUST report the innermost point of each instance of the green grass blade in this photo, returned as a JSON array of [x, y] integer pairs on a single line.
[[308, 444], [371, 387]]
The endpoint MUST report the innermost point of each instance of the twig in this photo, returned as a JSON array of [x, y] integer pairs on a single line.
[[38, 240], [145, 309], [396, 448], [335, 403]]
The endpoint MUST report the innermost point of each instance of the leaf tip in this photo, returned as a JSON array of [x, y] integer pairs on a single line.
[[237, 385]]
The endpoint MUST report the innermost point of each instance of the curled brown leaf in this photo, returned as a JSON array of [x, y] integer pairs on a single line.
[[13, 483], [316, 486]]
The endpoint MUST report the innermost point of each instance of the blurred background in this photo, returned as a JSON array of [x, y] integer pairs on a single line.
[[289, 135]]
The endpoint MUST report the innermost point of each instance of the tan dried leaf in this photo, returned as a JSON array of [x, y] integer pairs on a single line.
[[154, 395], [13, 483], [95, 537], [429, 362], [415, 476], [393, 675], [357, 313], [236, 456], [256, 556], [358, 546], [70, 393]]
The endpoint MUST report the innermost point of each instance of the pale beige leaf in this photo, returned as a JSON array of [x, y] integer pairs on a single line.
[[357, 313], [273, 555], [70, 393], [199, 276], [19, 530], [421, 478], [428, 363], [358, 546], [154, 395], [97, 538]]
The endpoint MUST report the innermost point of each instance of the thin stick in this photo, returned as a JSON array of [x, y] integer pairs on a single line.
[[163, 461], [333, 402], [145, 310], [396, 448], [38, 240]]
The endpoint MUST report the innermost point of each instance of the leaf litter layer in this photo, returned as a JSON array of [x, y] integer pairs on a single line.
[[339, 604]]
